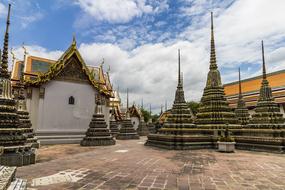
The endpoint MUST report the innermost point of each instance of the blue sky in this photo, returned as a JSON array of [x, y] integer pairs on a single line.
[[139, 39]]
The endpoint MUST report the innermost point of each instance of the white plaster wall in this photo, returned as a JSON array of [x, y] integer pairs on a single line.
[[135, 122], [33, 107], [55, 114]]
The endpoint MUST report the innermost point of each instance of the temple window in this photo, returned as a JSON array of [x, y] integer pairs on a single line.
[[71, 100]]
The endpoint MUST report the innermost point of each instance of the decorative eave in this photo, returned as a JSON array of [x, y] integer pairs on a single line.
[[57, 67]]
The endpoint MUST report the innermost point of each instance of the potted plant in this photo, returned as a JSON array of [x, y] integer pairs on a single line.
[[226, 143]]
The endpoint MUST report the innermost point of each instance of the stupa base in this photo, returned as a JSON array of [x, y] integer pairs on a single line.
[[91, 141], [127, 136], [15, 156]]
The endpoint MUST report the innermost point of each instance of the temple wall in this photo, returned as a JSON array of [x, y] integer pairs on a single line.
[[53, 113], [33, 107]]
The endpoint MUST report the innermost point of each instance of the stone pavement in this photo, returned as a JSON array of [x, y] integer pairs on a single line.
[[131, 165]]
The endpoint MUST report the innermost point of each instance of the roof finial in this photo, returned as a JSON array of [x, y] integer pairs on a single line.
[[150, 109], [165, 105], [179, 73], [263, 62], [142, 104], [213, 64], [73, 40], [161, 109], [4, 64], [25, 52]]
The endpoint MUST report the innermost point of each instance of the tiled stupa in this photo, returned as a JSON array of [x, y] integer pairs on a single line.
[[127, 130], [178, 131], [98, 133], [266, 129], [142, 128], [114, 125], [241, 111], [214, 112], [17, 152], [24, 116]]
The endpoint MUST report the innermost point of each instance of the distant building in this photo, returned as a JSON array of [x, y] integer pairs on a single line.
[[250, 90], [61, 94]]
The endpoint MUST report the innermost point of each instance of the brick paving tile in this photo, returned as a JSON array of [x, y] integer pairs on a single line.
[[145, 168]]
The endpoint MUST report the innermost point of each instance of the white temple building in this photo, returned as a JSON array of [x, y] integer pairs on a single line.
[[61, 95]]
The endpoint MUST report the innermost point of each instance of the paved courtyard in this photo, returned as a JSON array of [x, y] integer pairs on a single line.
[[131, 165]]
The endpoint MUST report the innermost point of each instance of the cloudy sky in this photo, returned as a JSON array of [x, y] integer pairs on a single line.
[[139, 39]]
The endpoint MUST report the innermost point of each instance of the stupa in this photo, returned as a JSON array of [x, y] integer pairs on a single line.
[[17, 152], [178, 131], [214, 112], [98, 133], [142, 128], [265, 130], [24, 116], [150, 125], [127, 130], [241, 111], [114, 126]]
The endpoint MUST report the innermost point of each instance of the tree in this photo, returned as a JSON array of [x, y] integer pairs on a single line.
[[154, 117], [193, 106], [145, 114]]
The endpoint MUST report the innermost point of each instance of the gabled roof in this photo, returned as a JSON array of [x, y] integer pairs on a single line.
[[56, 68]]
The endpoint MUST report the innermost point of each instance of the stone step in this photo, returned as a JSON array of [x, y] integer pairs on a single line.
[[7, 175], [18, 184]]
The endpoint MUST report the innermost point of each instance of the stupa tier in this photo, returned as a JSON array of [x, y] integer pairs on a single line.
[[98, 133], [16, 150], [178, 131], [214, 112]]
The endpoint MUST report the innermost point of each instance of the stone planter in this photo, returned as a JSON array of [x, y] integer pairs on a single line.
[[226, 146]]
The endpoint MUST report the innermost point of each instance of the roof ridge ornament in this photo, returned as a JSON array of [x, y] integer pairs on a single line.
[[73, 40]]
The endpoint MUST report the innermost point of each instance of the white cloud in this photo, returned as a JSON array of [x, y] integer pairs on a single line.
[[150, 71], [115, 10]]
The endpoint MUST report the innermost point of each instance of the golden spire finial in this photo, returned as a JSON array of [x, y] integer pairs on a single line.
[[13, 57], [73, 40], [102, 63]]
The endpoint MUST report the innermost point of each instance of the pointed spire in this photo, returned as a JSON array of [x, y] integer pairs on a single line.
[[4, 64], [263, 62], [161, 109], [165, 105], [142, 104], [179, 73], [213, 64], [73, 40], [150, 109]]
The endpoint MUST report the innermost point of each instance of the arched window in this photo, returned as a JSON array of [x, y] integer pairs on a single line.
[[71, 100]]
